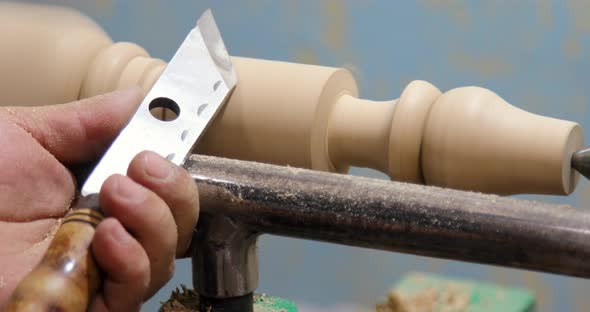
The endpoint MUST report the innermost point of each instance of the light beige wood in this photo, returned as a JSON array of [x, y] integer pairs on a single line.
[[476, 140], [278, 114], [386, 136], [45, 53], [304, 115]]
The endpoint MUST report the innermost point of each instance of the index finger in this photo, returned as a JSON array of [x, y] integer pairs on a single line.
[[78, 131]]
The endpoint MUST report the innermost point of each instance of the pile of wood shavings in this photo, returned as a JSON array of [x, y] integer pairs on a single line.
[[187, 300], [181, 300], [450, 299]]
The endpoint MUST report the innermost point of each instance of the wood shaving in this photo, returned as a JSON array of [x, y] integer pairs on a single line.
[[451, 299]]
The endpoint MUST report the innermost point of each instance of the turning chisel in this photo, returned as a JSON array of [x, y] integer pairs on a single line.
[[194, 86]]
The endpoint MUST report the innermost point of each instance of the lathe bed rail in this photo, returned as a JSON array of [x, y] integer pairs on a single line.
[[240, 200]]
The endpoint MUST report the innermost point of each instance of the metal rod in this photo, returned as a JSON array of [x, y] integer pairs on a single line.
[[224, 257], [395, 216], [581, 162], [235, 304]]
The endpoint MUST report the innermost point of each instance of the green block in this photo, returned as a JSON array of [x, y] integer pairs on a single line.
[[439, 293], [264, 303]]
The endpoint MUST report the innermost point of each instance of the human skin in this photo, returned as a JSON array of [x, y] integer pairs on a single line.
[[151, 212]]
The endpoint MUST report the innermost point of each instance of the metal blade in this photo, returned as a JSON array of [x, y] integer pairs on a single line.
[[212, 38], [194, 85]]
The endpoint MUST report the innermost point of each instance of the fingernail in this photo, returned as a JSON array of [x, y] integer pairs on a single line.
[[129, 190], [119, 234], [157, 167]]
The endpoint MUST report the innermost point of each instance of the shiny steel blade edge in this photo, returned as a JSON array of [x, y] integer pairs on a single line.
[[195, 84], [217, 50]]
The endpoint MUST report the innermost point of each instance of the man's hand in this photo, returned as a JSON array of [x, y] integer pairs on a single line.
[[157, 201]]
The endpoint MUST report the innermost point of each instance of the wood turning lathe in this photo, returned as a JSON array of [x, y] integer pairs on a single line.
[[308, 116]]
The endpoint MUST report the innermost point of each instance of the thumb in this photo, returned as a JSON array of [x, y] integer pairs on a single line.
[[78, 131]]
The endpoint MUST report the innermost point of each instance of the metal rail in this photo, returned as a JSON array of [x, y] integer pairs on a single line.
[[240, 200]]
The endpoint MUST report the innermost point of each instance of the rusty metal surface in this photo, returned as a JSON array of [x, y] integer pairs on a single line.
[[395, 216]]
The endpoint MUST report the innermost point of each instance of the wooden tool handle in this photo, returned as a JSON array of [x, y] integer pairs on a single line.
[[67, 277]]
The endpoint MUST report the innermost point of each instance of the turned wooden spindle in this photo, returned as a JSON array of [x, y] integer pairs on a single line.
[[467, 138], [304, 115]]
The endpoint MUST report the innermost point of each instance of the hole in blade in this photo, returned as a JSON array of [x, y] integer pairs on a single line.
[[164, 109]]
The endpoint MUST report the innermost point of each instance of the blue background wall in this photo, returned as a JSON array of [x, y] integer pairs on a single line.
[[535, 54]]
